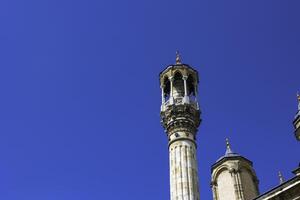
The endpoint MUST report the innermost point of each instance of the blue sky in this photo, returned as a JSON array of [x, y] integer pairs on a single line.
[[80, 97]]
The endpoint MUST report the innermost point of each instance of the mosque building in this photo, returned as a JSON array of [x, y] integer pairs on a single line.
[[232, 176]]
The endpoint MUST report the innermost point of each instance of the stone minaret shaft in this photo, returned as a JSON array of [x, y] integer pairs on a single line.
[[180, 116]]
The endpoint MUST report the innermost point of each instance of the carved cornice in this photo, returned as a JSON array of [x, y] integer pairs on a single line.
[[180, 118]]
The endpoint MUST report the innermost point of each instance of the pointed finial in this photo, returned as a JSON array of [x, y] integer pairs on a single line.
[[281, 179], [178, 58], [227, 143], [228, 148]]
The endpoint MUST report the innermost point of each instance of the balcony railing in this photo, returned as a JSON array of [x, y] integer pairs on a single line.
[[180, 101]]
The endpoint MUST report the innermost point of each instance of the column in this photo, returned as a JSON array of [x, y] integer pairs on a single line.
[[162, 107], [196, 95], [171, 100], [183, 171], [185, 98], [162, 95]]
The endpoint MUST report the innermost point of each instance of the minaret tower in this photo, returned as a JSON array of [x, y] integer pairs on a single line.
[[233, 177], [296, 121], [180, 117]]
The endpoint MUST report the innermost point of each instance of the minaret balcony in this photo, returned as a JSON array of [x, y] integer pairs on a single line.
[[180, 101]]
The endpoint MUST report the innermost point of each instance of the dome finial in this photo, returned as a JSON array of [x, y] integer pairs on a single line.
[[228, 148], [178, 58], [281, 179], [227, 143]]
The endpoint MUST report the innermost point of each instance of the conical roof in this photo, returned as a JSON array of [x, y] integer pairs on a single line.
[[228, 152], [229, 155]]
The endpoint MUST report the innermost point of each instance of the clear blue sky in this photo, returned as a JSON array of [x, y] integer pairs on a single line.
[[80, 97]]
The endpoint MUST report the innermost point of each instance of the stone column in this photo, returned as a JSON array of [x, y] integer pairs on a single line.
[[196, 95], [183, 171], [171, 100], [162, 95], [185, 98], [162, 107]]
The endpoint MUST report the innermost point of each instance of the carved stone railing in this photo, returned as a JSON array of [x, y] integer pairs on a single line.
[[180, 101]]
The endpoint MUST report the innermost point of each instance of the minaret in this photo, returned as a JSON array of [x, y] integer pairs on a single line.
[[180, 117], [296, 121], [233, 177]]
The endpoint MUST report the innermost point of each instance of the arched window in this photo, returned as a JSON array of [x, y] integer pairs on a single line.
[[190, 86], [167, 87], [178, 90]]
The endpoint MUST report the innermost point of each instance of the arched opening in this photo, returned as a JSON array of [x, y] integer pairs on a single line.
[[178, 85], [167, 88], [191, 86]]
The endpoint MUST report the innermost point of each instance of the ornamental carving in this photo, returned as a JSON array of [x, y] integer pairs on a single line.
[[180, 118]]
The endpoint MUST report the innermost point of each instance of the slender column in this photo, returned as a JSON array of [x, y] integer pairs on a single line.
[[162, 95], [185, 98], [171, 90], [196, 91], [183, 171], [196, 95], [171, 86], [184, 82]]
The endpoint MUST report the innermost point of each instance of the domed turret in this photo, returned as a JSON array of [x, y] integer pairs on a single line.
[[233, 177]]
